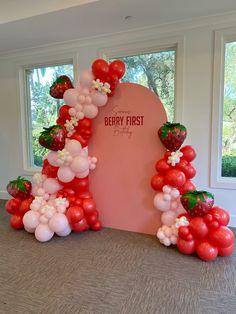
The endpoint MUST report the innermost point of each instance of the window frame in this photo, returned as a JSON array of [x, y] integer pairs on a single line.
[[216, 180], [25, 111], [152, 46]]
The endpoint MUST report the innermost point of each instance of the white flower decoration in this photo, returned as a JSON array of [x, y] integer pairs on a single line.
[[106, 88], [64, 157], [174, 158], [97, 84], [182, 221]]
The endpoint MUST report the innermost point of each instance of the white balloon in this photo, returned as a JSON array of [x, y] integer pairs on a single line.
[[65, 232], [79, 164], [168, 218], [160, 203], [99, 99], [43, 233], [52, 159], [166, 242], [65, 174], [73, 147], [31, 220], [58, 222], [51, 185], [82, 175], [30, 230], [90, 111], [71, 97]]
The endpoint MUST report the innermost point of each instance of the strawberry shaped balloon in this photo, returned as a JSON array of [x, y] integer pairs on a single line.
[[172, 135], [19, 188], [197, 203], [53, 138], [61, 84]]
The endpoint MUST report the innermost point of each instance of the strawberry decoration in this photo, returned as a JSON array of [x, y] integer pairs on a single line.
[[172, 135], [197, 203], [19, 188], [53, 138], [61, 84]]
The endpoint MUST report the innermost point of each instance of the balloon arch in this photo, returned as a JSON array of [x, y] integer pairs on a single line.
[[59, 201]]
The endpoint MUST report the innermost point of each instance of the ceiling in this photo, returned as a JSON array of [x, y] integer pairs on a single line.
[[23, 24]]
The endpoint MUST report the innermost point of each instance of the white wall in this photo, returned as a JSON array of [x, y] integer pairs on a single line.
[[196, 76]]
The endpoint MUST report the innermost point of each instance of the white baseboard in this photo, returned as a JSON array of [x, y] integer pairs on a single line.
[[4, 195]]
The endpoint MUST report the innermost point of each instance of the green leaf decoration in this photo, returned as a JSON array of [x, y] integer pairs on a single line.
[[170, 127]]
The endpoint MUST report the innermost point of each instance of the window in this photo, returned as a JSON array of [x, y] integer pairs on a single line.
[[42, 109], [223, 159], [156, 71], [228, 165]]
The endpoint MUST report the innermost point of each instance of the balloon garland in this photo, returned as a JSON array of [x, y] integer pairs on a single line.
[[59, 200], [189, 219]]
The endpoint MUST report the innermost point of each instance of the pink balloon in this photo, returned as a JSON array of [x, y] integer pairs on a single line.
[[65, 232], [51, 185], [71, 97], [86, 78], [83, 174], [43, 233], [52, 158], [79, 164], [99, 99], [73, 147], [168, 218], [65, 174], [31, 220], [90, 111], [160, 203], [58, 222]]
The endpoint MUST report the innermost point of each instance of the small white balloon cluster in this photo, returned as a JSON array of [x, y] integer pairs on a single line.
[[169, 203], [47, 217], [168, 234], [73, 161], [84, 99]]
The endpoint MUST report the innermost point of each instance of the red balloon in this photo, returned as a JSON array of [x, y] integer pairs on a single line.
[[183, 232], [117, 68], [97, 226], [187, 168], [188, 186], [206, 251], [186, 247], [84, 124], [227, 251], [175, 178], [76, 136], [89, 206], [100, 68], [92, 219], [16, 222], [80, 185], [189, 153], [198, 227], [74, 214], [167, 154], [222, 237], [60, 121], [85, 195], [12, 205], [49, 170], [162, 166], [80, 226], [25, 206], [64, 113], [221, 215], [157, 182]]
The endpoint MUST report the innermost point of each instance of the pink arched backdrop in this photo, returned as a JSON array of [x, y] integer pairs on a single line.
[[126, 143]]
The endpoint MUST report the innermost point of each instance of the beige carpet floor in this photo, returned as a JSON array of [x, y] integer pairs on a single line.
[[109, 272]]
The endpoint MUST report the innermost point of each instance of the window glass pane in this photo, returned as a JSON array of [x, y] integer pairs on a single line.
[[228, 168], [42, 108], [156, 71]]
